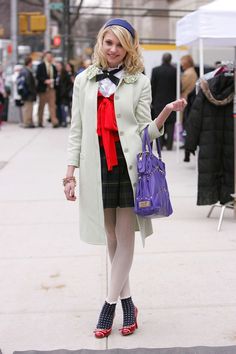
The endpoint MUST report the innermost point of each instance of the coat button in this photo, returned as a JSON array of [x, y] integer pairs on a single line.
[[126, 150], [135, 184], [121, 133], [130, 167], [117, 97], [118, 115]]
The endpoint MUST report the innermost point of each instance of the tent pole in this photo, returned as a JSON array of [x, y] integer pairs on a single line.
[[201, 63], [178, 73]]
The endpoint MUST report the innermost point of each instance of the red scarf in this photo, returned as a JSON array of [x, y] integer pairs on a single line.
[[107, 129]]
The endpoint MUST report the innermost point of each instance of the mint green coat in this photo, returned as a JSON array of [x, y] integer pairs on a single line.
[[132, 101]]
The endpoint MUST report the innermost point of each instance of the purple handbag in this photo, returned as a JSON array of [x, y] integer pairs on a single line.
[[152, 196]]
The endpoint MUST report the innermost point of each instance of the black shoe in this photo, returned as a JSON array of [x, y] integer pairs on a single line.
[[187, 156], [29, 126], [40, 125], [57, 125]]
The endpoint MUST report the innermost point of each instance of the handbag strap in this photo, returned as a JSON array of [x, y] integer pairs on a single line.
[[158, 147], [146, 142]]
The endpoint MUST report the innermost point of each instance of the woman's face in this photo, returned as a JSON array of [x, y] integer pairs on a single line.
[[185, 64], [58, 66], [68, 67], [113, 50]]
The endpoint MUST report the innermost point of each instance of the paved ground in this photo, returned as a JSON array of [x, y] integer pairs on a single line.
[[52, 285]]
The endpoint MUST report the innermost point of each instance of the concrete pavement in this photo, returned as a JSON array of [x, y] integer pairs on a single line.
[[52, 285]]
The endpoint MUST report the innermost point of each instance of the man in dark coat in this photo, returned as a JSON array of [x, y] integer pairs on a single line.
[[46, 77], [211, 126], [163, 82], [29, 93]]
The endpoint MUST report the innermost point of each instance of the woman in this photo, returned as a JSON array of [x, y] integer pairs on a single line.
[[71, 72], [189, 76], [110, 109], [2, 94], [63, 89], [188, 82]]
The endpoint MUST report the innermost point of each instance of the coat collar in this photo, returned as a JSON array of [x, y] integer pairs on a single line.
[[93, 70], [220, 99]]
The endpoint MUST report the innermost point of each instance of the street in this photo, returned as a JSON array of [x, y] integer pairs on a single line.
[[53, 285]]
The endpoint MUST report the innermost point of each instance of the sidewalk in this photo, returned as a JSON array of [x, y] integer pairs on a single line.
[[53, 285]]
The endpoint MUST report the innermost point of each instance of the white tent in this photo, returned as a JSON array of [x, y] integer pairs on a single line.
[[211, 25], [215, 23]]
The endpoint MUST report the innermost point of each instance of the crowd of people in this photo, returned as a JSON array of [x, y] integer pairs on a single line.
[[51, 83], [163, 83]]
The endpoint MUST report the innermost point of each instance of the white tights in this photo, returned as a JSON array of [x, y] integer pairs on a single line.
[[119, 225]]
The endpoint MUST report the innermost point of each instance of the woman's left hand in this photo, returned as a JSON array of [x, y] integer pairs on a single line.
[[177, 105]]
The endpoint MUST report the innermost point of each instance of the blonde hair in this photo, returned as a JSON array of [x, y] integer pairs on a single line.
[[133, 60], [188, 60]]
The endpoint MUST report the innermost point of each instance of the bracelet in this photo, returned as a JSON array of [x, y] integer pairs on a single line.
[[68, 180]]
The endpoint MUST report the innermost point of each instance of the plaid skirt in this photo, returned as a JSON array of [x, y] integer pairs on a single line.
[[116, 186]]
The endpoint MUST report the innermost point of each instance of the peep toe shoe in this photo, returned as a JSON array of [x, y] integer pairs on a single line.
[[127, 330], [102, 333]]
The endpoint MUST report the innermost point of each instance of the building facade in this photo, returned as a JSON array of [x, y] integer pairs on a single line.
[[149, 18], [155, 20]]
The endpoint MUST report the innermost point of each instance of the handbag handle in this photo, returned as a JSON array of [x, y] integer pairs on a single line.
[[146, 142]]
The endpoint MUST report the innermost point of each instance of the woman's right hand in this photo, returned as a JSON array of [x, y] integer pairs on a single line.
[[69, 191]]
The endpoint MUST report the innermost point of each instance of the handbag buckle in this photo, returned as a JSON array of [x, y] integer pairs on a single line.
[[144, 204]]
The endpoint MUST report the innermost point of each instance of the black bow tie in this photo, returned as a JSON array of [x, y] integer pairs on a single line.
[[110, 75]]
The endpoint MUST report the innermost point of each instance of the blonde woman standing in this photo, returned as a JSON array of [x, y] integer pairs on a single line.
[[189, 76], [110, 109]]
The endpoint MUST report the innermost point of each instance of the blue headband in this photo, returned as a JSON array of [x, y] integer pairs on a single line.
[[121, 23]]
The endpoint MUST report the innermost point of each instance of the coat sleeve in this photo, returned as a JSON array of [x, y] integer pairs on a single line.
[[40, 74], [143, 112], [75, 136], [194, 125]]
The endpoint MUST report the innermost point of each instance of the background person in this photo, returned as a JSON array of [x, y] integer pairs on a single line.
[[163, 83], [16, 97], [63, 90], [31, 94], [189, 76], [110, 110], [85, 64], [188, 82], [2, 93], [46, 76], [71, 72]]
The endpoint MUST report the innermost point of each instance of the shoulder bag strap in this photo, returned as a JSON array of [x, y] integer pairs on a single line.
[[158, 148], [146, 142]]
